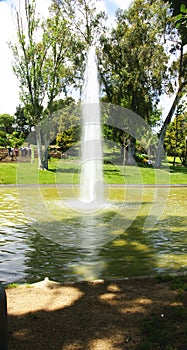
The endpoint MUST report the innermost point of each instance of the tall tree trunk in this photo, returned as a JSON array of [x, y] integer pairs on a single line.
[[47, 131], [39, 145], [46, 157], [43, 140], [130, 157]]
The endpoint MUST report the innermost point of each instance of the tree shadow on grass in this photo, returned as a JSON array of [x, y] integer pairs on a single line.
[[178, 169], [97, 316], [65, 170]]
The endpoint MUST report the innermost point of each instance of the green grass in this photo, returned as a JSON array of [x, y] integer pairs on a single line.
[[12, 285], [16, 285], [67, 172], [8, 173]]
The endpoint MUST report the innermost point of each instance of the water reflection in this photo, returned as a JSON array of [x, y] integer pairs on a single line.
[[13, 237], [88, 247]]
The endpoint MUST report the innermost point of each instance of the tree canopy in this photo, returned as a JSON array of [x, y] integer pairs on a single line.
[[134, 60]]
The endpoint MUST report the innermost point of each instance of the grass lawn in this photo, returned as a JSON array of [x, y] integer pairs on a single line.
[[67, 172]]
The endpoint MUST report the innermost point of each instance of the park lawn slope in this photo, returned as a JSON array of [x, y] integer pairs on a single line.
[[67, 172]]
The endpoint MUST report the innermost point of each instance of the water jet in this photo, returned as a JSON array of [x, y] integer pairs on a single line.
[[91, 178]]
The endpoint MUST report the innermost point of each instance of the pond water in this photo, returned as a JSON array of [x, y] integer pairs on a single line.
[[142, 231]]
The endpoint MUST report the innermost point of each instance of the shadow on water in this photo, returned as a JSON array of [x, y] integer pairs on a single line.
[[135, 252], [84, 251]]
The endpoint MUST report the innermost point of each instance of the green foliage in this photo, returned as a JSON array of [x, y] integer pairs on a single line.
[[134, 63], [6, 123], [39, 59], [68, 138], [22, 123], [86, 22], [48, 59], [9, 134], [68, 116], [41, 64], [11, 140], [12, 285], [175, 139], [179, 11]]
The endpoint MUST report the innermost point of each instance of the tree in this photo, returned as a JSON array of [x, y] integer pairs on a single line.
[[87, 25], [42, 66], [6, 123], [68, 114], [48, 59], [9, 135], [22, 124], [133, 66], [86, 21], [179, 41], [175, 139]]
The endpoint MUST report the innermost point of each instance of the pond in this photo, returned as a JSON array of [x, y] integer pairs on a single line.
[[140, 231]]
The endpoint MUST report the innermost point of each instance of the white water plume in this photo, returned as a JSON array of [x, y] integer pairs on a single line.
[[91, 180]]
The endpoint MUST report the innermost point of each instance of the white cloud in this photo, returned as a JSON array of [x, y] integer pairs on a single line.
[[123, 4], [101, 6]]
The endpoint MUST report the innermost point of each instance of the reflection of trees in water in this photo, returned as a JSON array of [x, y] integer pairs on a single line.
[[47, 258], [90, 248], [78, 242], [99, 247]]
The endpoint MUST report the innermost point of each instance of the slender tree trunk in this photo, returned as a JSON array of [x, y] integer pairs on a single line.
[[39, 145], [174, 159], [130, 159], [43, 135], [47, 128], [124, 155], [125, 145]]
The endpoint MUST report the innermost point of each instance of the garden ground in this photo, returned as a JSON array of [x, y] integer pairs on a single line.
[[141, 313]]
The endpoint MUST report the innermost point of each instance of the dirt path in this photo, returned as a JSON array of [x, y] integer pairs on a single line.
[[94, 316]]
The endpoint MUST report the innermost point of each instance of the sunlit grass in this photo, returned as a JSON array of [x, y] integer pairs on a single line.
[[68, 172]]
